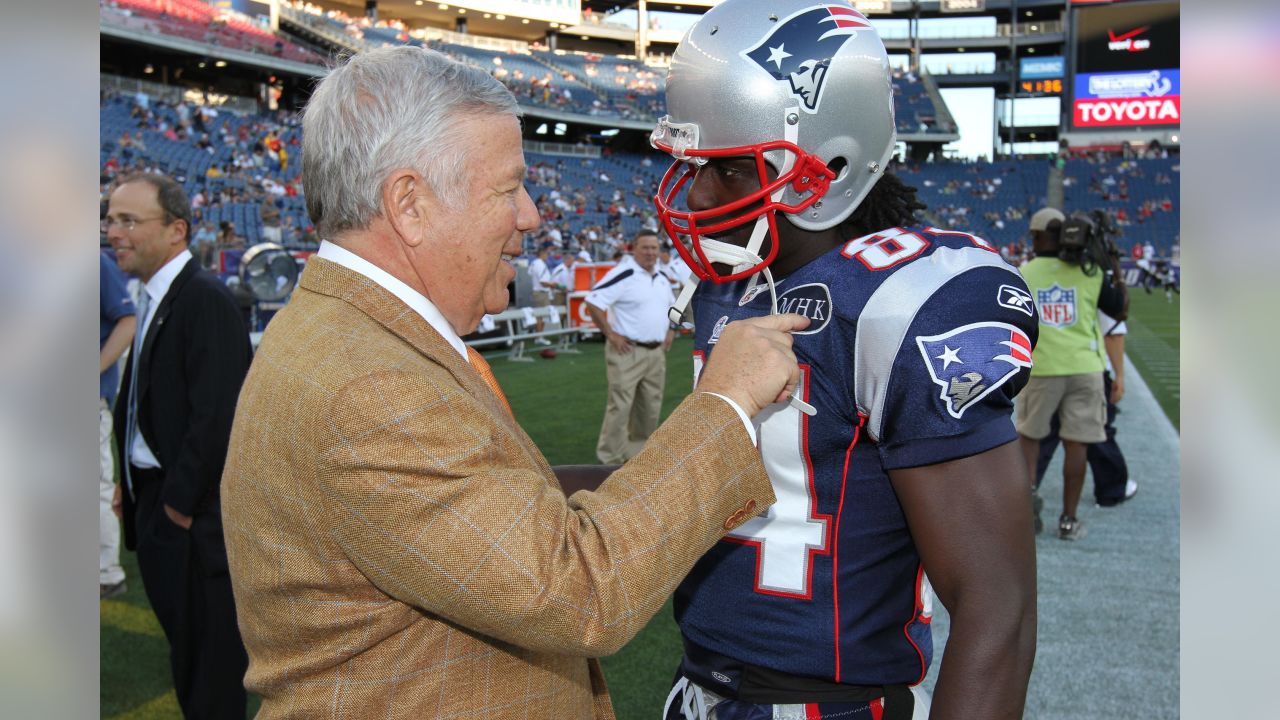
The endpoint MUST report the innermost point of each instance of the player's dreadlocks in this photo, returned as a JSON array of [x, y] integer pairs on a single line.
[[891, 203]]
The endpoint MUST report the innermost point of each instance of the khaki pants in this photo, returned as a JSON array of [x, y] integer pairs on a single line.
[[636, 383], [1079, 401]]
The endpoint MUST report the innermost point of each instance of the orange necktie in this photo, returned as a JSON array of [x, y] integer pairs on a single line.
[[478, 362]]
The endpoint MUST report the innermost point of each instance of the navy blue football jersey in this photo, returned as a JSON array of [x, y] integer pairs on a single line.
[[918, 341]]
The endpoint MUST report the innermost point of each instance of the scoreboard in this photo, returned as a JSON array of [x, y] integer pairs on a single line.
[[1041, 87], [1127, 66]]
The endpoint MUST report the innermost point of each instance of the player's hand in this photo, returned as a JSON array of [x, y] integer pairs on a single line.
[[753, 363], [117, 503], [620, 345], [1117, 389]]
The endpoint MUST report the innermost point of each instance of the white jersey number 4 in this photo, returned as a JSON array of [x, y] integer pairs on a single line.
[[788, 534]]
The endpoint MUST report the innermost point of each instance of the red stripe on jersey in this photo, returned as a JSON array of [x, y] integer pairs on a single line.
[[835, 545], [811, 712], [917, 614], [877, 708], [1023, 350]]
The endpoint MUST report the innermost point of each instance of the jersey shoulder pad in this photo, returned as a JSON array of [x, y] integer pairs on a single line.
[[895, 306]]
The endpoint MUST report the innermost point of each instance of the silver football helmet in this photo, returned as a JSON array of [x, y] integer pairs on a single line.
[[801, 85]]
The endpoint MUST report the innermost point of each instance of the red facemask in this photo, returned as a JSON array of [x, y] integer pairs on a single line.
[[808, 176]]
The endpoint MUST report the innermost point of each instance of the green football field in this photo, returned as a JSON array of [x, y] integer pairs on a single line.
[[560, 403], [1153, 345]]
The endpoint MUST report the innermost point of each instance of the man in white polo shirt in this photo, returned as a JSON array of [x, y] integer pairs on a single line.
[[637, 335]]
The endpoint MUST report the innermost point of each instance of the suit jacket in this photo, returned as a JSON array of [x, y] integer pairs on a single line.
[[399, 548], [192, 362]]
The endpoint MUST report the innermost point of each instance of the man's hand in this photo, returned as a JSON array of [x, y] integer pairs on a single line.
[[620, 345], [753, 363], [182, 521], [117, 503], [1117, 389], [666, 343]]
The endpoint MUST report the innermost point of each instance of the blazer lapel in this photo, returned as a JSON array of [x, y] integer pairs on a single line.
[[330, 278], [157, 326]]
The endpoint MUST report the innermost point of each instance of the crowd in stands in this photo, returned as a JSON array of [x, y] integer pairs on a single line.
[[1141, 192], [242, 172], [243, 175], [594, 205], [914, 112], [579, 83], [994, 199], [357, 32], [203, 22]]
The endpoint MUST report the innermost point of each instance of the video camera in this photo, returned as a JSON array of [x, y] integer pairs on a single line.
[[1088, 240]]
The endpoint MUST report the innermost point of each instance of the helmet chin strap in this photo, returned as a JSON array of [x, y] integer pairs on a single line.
[[742, 258]]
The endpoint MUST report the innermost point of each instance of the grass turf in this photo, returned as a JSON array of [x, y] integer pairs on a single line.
[[1153, 345]]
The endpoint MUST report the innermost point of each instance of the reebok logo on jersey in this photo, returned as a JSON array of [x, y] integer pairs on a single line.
[[812, 301], [1015, 299], [970, 362], [1057, 306]]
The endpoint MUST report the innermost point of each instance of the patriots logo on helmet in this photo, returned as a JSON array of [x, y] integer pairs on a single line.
[[800, 48], [970, 362]]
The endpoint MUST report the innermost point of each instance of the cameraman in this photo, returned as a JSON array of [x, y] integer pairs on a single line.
[[1075, 273]]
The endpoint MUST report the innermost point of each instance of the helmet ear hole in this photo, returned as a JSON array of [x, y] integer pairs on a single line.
[[839, 167]]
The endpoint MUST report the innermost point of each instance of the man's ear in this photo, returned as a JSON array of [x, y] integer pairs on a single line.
[[179, 232], [405, 202]]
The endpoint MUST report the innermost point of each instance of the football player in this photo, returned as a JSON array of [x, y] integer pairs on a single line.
[[896, 465]]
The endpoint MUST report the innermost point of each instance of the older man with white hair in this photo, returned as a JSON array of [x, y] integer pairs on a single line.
[[399, 547]]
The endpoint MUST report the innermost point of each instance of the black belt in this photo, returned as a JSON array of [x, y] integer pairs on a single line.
[[645, 345], [752, 683]]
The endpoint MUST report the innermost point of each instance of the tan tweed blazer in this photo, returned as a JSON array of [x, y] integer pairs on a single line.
[[400, 549]]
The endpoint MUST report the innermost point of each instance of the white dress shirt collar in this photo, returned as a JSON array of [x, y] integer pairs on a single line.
[[414, 299], [158, 286]]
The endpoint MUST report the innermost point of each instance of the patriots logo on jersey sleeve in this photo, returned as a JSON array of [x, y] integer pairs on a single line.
[[800, 48], [970, 362]]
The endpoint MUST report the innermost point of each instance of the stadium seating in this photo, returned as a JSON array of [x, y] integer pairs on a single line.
[[185, 161], [531, 78], [201, 22], [913, 109], [581, 83], [1143, 194], [993, 200], [612, 194]]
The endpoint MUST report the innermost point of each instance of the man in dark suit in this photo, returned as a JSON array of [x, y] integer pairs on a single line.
[[172, 424]]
